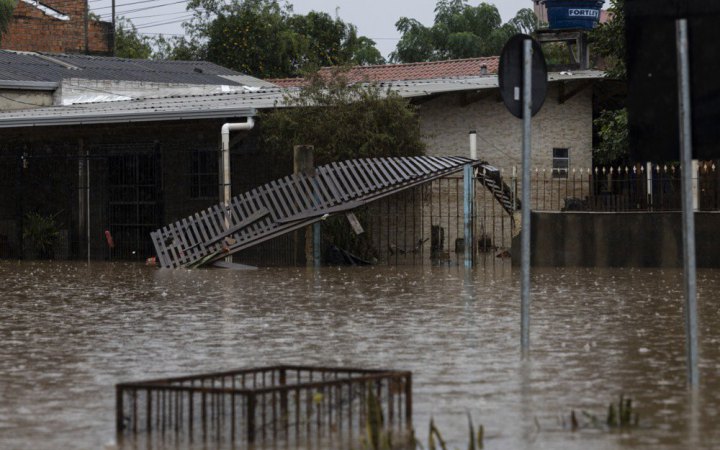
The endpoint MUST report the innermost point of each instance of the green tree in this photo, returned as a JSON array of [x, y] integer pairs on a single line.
[[459, 31], [129, 43], [6, 11], [608, 41], [265, 38], [342, 121], [612, 129], [177, 48]]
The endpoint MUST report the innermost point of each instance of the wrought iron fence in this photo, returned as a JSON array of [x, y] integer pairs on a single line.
[[424, 225], [282, 405], [640, 187]]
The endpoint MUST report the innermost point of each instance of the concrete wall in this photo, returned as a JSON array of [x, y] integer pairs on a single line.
[[642, 239], [447, 120], [11, 99]]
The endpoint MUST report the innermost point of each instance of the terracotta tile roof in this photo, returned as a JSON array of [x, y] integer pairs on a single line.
[[287, 82], [413, 71]]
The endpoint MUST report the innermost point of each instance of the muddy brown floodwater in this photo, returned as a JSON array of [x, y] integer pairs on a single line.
[[70, 332]]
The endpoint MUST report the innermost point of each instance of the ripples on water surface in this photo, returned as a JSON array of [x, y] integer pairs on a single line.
[[70, 332]]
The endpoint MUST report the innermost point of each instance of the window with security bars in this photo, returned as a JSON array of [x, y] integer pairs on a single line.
[[204, 173], [561, 162]]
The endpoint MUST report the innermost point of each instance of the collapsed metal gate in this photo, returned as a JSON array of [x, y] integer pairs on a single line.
[[296, 201]]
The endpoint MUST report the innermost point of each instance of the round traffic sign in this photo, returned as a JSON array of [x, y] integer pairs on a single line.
[[510, 75]]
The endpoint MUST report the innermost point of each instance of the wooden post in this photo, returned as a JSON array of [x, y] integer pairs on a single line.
[[303, 163]]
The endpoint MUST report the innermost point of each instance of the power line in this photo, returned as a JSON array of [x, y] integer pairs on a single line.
[[157, 24], [152, 15], [117, 5]]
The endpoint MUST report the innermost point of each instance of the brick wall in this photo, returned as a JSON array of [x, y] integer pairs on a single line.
[[33, 30], [447, 120]]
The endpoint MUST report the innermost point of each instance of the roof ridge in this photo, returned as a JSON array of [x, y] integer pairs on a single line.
[[419, 63]]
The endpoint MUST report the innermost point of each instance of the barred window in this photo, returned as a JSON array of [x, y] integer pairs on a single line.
[[204, 173], [561, 162]]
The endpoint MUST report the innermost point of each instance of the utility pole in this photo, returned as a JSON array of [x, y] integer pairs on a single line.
[[87, 26], [114, 47]]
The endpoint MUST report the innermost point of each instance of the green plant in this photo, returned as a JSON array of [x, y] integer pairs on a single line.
[[619, 415], [623, 415], [6, 13], [40, 233]]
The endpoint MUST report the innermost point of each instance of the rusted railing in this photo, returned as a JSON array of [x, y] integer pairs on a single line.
[[288, 405]]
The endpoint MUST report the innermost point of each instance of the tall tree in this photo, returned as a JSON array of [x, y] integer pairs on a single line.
[[6, 11], [265, 38], [608, 40], [459, 31], [342, 120], [129, 43]]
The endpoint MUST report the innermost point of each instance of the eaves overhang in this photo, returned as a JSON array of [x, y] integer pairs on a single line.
[[29, 85], [125, 117]]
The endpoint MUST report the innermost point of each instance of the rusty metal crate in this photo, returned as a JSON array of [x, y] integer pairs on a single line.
[[278, 405]]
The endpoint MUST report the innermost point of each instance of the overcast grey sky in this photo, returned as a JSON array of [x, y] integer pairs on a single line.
[[374, 18]]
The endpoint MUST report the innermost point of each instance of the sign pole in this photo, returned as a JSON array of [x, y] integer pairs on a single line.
[[525, 232], [469, 200], [691, 328]]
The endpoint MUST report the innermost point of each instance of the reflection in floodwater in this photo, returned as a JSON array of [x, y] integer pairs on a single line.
[[70, 332]]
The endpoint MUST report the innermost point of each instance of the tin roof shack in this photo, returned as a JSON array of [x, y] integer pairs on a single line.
[[66, 115]]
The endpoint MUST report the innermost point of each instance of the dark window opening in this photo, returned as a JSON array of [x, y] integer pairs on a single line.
[[561, 162], [204, 173]]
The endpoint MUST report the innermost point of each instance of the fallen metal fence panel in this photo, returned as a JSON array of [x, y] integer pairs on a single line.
[[279, 405]]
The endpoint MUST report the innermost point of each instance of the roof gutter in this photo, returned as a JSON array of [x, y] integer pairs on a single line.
[[151, 116], [29, 85]]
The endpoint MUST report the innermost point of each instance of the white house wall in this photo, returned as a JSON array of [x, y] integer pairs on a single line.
[[446, 124]]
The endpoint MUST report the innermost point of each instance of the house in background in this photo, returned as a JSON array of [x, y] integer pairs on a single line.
[[456, 97], [152, 158], [133, 127], [58, 26]]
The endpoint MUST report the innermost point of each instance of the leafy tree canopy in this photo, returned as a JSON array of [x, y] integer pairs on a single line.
[[608, 41], [459, 31], [266, 39], [6, 11], [342, 121], [129, 43]]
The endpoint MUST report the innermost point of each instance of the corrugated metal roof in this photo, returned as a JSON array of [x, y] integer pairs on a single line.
[[27, 66], [233, 104], [139, 110]]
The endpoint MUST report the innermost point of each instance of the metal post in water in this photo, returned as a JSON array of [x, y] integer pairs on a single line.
[[469, 200], [317, 238], [87, 201], [649, 175], [691, 329], [525, 232]]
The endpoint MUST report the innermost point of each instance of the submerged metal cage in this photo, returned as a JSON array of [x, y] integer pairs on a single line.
[[289, 405]]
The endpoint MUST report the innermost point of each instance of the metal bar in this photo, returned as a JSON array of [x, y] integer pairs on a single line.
[[469, 200], [525, 238], [691, 328]]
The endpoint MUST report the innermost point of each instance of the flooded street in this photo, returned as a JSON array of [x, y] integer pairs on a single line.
[[70, 332]]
